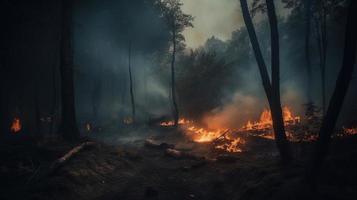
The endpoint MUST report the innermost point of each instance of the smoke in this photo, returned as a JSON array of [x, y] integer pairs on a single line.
[[102, 31]]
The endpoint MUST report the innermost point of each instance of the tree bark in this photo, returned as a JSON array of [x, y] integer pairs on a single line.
[[132, 99], [173, 84], [336, 101], [272, 91], [307, 49], [68, 127]]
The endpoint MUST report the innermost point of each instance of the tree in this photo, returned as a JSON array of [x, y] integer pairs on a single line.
[[307, 49], [68, 126], [176, 21], [272, 89], [131, 84], [338, 96]]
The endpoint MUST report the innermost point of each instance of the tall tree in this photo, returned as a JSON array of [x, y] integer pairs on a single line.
[[272, 89], [68, 126], [307, 49], [177, 21], [320, 19], [132, 100], [338, 96]]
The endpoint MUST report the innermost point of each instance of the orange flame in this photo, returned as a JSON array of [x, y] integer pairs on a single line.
[[266, 122], [200, 134], [16, 125]]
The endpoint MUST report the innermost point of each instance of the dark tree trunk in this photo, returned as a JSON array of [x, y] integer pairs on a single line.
[[307, 49], [96, 94], [321, 40], [38, 133], [131, 85], [276, 111], [173, 84], [336, 101], [272, 91], [54, 101], [68, 127]]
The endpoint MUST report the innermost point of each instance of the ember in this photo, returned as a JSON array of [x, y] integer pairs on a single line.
[[16, 125]]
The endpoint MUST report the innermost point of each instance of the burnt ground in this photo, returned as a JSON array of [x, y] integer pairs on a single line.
[[124, 168]]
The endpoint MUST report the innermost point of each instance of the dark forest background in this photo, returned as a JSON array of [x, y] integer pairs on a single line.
[[212, 79]]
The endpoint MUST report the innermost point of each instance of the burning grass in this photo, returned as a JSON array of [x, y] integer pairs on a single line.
[[232, 140]]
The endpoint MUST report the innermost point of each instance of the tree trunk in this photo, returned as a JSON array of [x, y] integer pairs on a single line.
[[272, 91], [173, 84], [68, 127], [307, 49], [54, 101], [336, 101], [38, 133], [321, 39], [131, 86]]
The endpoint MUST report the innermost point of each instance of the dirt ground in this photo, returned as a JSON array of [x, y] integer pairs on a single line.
[[123, 167]]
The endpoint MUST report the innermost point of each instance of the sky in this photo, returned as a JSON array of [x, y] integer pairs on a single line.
[[217, 18]]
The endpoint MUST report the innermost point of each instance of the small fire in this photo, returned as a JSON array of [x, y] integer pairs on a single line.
[[172, 123], [128, 120], [232, 146], [349, 131], [16, 125], [201, 135], [265, 122]]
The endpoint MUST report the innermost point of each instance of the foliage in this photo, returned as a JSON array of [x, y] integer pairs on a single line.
[[202, 77], [175, 19]]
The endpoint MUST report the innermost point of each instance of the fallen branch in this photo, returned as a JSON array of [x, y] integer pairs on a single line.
[[224, 133], [61, 161], [184, 155]]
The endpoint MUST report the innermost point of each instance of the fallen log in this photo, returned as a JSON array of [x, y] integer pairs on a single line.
[[61, 161], [47, 170], [154, 144]]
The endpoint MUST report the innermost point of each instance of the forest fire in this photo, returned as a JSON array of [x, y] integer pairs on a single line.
[[222, 138], [199, 134], [265, 121], [16, 125]]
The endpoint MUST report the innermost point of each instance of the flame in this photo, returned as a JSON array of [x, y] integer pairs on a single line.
[[232, 146], [201, 134], [265, 121], [16, 125], [172, 123]]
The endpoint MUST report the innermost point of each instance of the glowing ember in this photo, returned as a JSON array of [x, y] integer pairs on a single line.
[[349, 131], [172, 123], [265, 122], [16, 125], [88, 127], [128, 120], [232, 146]]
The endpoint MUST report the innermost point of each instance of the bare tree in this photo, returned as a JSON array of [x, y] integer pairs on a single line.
[[132, 99], [177, 21], [68, 126], [272, 89], [338, 96]]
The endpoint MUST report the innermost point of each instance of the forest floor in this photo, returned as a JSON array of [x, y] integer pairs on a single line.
[[125, 168]]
